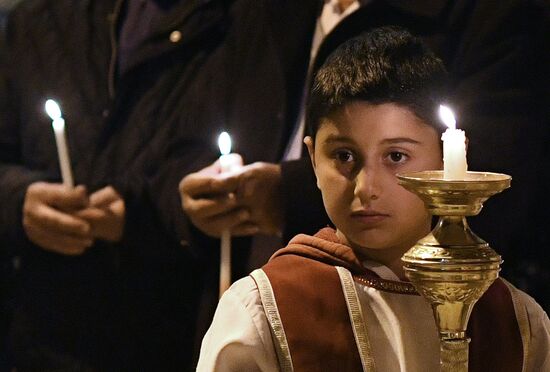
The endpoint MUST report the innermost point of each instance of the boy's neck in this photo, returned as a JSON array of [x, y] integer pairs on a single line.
[[389, 257], [392, 260]]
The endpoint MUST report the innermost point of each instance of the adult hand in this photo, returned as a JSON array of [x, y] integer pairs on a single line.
[[106, 214], [208, 199], [49, 220], [259, 193], [245, 202]]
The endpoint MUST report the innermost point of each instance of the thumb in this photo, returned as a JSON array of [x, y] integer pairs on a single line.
[[104, 197]]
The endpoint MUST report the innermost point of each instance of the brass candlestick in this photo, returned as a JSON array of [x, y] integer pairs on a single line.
[[452, 267]]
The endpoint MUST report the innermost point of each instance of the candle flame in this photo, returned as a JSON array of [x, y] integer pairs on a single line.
[[447, 116], [52, 109], [224, 142]]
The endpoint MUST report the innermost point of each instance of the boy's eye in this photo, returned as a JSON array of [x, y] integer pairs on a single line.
[[345, 161], [397, 157], [344, 156]]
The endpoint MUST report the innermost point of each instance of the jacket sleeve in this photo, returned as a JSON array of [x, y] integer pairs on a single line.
[[15, 177], [150, 191]]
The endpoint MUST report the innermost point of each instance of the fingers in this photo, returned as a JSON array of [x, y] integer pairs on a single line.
[[201, 184], [106, 214], [118, 208], [259, 192], [215, 225], [104, 198], [106, 223], [246, 228], [208, 200], [56, 221], [58, 195], [47, 218], [208, 207], [58, 243], [92, 214], [212, 201]]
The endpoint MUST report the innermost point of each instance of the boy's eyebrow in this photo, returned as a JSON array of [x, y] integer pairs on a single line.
[[391, 141], [335, 138]]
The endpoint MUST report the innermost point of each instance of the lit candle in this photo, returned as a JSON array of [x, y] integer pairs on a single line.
[[58, 124], [454, 147], [229, 162]]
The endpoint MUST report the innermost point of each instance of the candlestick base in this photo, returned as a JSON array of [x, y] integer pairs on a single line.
[[452, 267]]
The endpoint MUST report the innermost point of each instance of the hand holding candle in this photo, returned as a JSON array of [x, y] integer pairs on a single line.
[[454, 147], [58, 124], [229, 163]]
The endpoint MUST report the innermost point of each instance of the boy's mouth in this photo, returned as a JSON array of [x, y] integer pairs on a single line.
[[369, 217]]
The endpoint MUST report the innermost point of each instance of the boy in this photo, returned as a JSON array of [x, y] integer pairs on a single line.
[[338, 301]]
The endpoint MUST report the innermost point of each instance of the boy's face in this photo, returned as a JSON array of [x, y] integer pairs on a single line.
[[356, 155]]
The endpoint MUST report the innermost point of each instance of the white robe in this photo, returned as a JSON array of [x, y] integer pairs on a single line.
[[401, 331]]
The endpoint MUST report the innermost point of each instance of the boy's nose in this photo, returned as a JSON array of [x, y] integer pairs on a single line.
[[367, 185]]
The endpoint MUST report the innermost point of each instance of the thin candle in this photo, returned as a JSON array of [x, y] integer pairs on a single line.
[[228, 163], [58, 125], [454, 147]]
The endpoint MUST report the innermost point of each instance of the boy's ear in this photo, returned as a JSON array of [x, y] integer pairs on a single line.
[[308, 141]]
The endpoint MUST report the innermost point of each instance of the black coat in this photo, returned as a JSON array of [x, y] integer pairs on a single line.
[[124, 306]]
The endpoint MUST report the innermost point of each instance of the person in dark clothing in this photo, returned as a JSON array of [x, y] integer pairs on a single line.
[[493, 53], [103, 282]]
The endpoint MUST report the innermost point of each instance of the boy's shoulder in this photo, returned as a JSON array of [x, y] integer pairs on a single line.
[[523, 301], [245, 292], [322, 251]]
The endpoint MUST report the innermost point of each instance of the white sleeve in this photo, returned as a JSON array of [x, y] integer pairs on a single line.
[[239, 338], [539, 350]]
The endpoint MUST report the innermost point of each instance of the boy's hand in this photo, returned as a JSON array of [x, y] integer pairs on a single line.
[[245, 202], [106, 214], [49, 220], [208, 199]]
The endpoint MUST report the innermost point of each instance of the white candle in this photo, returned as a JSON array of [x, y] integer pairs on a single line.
[[58, 124], [229, 163], [454, 147]]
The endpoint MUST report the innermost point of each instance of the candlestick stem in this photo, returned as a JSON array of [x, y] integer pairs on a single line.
[[454, 355]]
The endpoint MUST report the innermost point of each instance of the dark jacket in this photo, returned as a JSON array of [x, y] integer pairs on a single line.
[[124, 306]]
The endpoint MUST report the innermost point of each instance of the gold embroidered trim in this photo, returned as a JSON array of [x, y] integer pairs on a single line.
[[387, 285], [357, 320], [272, 312], [523, 323]]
